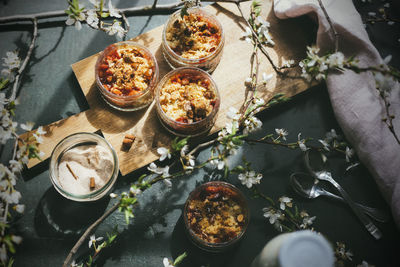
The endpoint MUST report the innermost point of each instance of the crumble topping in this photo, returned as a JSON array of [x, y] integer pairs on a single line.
[[126, 71], [216, 216], [193, 37], [187, 98]]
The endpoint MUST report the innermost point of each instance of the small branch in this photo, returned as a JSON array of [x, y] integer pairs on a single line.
[[335, 34], [127, 11], [260, 46], [155, 3], [25, 63], [126, 22], [85, 235], [371, 21], [194, 150], [389, 118]]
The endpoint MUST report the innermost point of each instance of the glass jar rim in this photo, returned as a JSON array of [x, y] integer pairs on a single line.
[[168, 76], [243, 204], [152, 83], [92, 195], [197, 60]]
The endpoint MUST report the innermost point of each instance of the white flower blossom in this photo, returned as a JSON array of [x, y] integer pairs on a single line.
[[285, 201], [40, 131], [251, 124], [11, 198], [113, 195], [266, 77], [167, 263], [288, 63], [76, 20], [233, 114], [387, 5], [231, 127], [387, 59], [218, 163], [164, 153], [92, 19], [135, 191], [248, 82], [250, 178], [16, 239], [324, 144], [28, 126], [20, 208], [331, 135], [307, 221], [272, 215], [349, 153], [93, 240], [15, 166], [340, 251], [282, 133], [336, 60], [384, 82], [301, 143], [116, 29], [184, 151], [113, 11], [12, 61], [247, 35]]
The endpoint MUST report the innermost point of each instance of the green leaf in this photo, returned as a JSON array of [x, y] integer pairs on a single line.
[[10, 262], [3, 83], [226, 172], [105, 14], [111, 238], [180, 258]]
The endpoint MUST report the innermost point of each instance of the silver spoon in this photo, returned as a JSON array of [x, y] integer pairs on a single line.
[[307, 186], [326, 176]]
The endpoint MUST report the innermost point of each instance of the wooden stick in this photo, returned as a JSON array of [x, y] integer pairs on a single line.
[[70, 170]]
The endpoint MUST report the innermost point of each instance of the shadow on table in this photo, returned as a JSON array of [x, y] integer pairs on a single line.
[[57, 216]]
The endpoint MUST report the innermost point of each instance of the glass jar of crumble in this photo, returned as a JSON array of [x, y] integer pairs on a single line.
[[187, 101], [216, 216], [196, 40], [126, 75]]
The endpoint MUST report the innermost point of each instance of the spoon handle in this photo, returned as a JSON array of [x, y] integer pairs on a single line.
[[374, 213], [369, 225]]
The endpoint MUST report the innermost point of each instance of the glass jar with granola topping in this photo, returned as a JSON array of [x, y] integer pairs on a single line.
[[194, 40], [216, 216], [126, 74], [187, 101]]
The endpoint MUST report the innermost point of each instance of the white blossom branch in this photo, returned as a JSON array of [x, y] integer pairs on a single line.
[[26, 60], [86, 234], [332, 28], [127, 11]]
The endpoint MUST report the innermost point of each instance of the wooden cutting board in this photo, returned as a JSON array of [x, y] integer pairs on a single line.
[[290, 39]]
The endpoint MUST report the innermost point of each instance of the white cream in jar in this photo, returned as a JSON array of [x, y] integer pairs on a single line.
[[78, 165]]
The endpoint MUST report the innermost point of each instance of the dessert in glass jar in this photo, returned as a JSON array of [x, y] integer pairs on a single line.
[[216, 216], [126, 74], [83, 167], [194, 40], [187, 101]]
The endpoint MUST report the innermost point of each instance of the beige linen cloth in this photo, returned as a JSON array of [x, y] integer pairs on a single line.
[[354, 97]]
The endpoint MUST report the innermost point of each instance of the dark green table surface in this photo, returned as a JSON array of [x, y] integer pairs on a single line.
[[51, 224]]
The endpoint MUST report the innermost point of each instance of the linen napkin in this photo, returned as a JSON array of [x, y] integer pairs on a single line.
[[355, 100]]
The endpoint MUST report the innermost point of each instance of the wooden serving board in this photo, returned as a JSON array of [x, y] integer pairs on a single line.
[[229, 76]]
